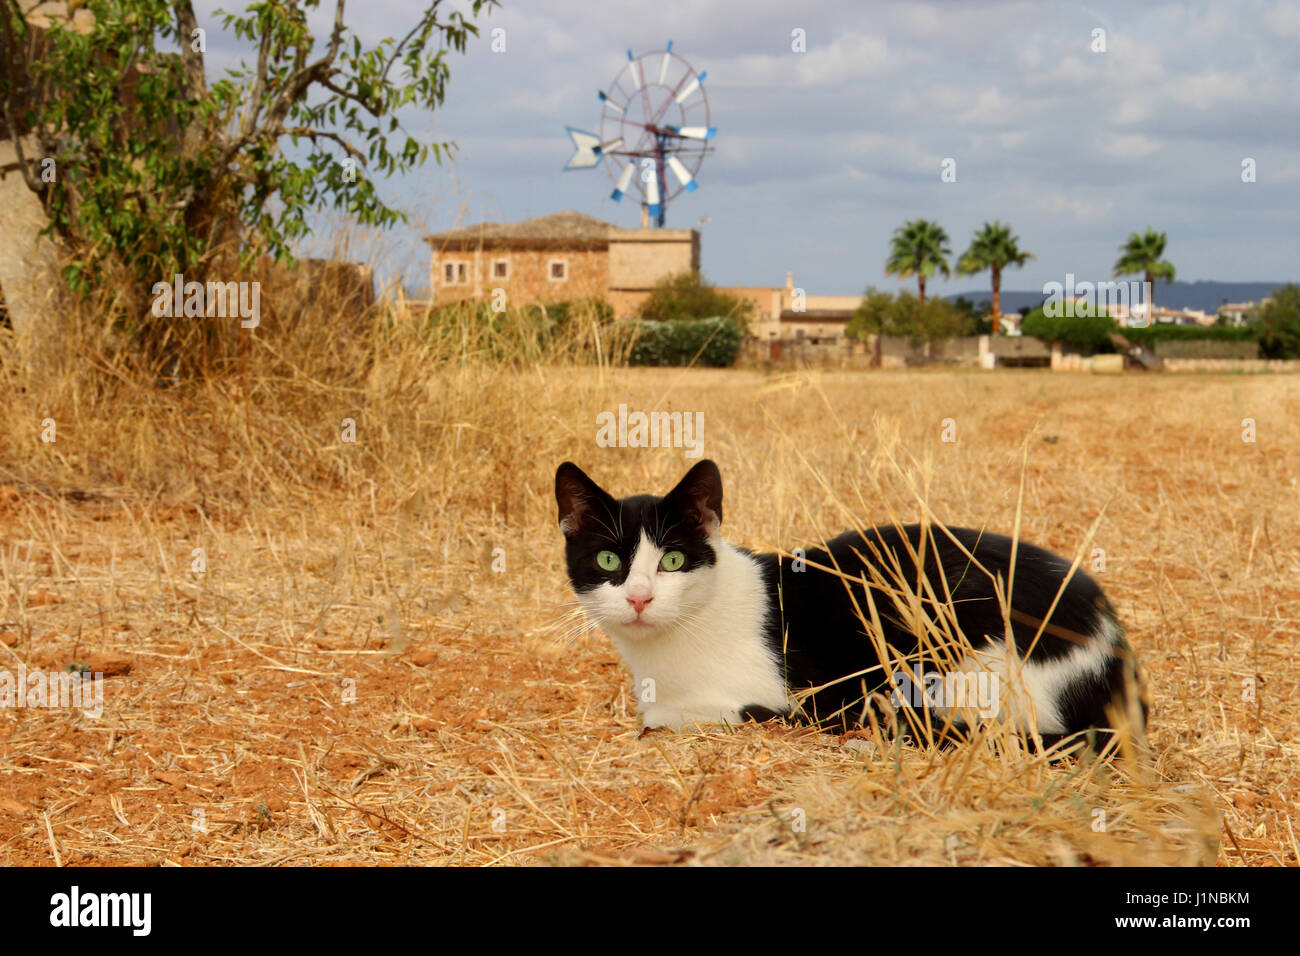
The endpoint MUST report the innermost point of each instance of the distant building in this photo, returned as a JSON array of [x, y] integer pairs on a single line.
[[1009, 323], [1236, 313], [788, 314], [556, 258], [1141, 313], [1165, 316]]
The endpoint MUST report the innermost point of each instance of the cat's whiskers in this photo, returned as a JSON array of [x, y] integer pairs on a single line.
[[614, 535], [572, 624]]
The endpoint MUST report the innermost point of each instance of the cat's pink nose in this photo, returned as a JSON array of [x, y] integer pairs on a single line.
[[639, 603]]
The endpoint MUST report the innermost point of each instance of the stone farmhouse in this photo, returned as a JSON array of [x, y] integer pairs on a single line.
[[569, 255], [555, 258]]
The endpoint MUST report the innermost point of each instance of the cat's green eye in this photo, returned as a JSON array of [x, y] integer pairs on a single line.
[[672, 561], [608, 561]]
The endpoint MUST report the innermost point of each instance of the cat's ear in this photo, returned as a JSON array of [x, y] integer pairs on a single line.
[[577, 495], [699, 496]]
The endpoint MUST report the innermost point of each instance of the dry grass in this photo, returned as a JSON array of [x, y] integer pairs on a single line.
[[479, 736]]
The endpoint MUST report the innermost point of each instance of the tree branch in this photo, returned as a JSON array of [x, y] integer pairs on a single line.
[[333, 87], [249, 122], [307, 132], [336, 38], [186, 23], [15, 136], [383, 76], [294, 88]]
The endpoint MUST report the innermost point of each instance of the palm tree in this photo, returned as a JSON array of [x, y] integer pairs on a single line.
[[995, 247], [1141, 253], [920, 248]]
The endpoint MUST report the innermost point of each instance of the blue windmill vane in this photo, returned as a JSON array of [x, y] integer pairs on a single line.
[[654, 124]]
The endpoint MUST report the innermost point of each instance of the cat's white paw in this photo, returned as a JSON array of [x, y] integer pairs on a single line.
[[689, 719]]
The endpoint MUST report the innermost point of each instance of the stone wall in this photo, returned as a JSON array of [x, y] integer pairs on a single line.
[[981, 350], [1206, 349], [641, 258], [848, 353], [1231, 365], [528, 280], [1018, 347]]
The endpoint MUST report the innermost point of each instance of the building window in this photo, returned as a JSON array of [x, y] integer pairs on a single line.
[[501, 268], [558, 270], [455, 273]]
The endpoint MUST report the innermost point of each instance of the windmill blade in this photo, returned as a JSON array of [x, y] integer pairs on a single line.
[[610, 103], [635, 70], [586, 153], [695, 132], [652, 193], [683, 174], [690, 87], [624, 180], [663, 67]]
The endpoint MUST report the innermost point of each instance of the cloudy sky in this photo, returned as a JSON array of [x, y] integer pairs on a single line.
[[821, 154]]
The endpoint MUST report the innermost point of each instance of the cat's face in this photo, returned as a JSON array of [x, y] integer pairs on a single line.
[[643, 565]]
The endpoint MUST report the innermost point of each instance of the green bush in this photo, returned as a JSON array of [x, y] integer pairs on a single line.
[[558, 315], [688, 295], [906, 316], [714, 342], [1279, 323], [1088, 332]]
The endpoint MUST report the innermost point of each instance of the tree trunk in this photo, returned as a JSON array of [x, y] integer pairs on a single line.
[[997, 297], [1151, 300], [920, 281]]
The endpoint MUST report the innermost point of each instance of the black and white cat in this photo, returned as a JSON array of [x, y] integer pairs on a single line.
[[715, 633]]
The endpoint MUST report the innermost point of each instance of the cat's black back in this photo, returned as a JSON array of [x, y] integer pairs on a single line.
[[816, 630]]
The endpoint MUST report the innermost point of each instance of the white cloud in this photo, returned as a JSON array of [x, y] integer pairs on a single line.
[[989, 108], [846, 57], [1084, 210], [1203, 91], [1284, 18], [1031, 55], [1130, 146], [1131, 111], [1073, 70]]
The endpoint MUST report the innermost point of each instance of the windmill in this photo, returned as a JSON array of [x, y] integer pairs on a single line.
[[654, 123]]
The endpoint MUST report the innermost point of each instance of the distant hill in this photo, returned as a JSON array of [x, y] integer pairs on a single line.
[[1206, 296]]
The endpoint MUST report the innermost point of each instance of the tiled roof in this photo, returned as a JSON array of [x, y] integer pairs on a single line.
[[557, 226]]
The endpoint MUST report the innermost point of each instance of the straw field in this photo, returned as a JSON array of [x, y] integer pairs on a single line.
[[328, 651]]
